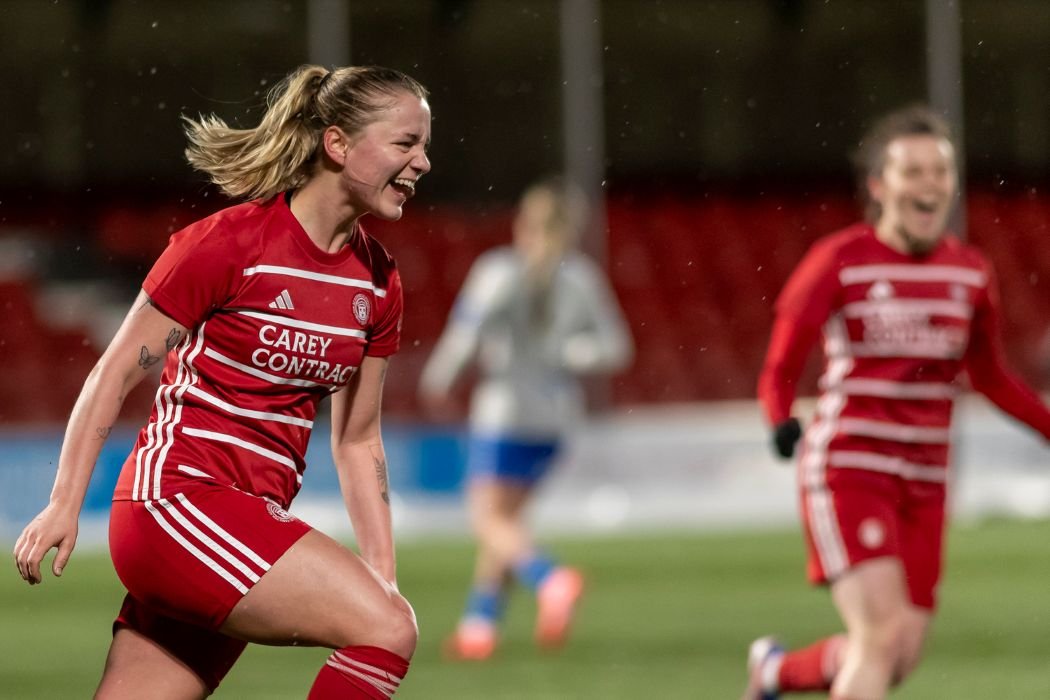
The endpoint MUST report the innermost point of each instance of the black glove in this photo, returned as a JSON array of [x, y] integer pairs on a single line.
[[785, 435]]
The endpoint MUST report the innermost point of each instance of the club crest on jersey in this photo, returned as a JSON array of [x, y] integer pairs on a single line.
[[278, 513], [880, 290], [958, 292], [362, 308]]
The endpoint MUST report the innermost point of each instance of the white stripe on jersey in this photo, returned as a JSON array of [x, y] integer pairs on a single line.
[[860, 274], [893, 431], [193, 471], [316, 276], [306, 325], [160, 435], [927, 350], [852, 459], [829, 406], [191, 379], [208, 541], [888, 389], [255, 372], [194, 550], [153, 429], [247, 412], [930, 307], [231, 440]]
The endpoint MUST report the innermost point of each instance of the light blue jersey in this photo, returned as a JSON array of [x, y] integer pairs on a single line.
[[530, 343]]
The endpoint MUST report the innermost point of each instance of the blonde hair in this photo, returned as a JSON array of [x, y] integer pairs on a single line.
[[276, 155]]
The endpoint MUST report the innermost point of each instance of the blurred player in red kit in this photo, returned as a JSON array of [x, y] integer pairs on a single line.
[[258, 312], [904, 308]]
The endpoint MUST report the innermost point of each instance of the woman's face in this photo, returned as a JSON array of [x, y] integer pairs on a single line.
[[915, 190], [385, 160], [536, 235]]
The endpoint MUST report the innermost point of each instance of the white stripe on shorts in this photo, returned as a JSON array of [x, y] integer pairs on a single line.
[[218, 530], [194, 550], [208, 541], [826, 535]]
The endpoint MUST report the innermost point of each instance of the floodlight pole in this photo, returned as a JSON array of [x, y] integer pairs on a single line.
[[583, 120], [944, 84], [328, 32], [583, 133]]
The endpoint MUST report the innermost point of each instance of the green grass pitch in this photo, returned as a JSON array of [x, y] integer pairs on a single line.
[[665, 616]]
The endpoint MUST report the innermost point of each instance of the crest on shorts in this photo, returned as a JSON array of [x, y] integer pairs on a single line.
[[871, 533], [362, 308], [278, 513]]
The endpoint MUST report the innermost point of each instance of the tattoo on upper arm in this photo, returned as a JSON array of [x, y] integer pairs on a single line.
[[148, 302], [103, 432], [146, 360], [381, 473], [174, 336]]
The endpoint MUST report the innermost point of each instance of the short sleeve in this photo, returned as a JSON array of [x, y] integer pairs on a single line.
[[194, 274], [493, 279], [385, 338]]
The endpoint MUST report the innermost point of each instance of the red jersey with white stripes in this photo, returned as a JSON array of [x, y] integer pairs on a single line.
[[275, 325], [898, 330]]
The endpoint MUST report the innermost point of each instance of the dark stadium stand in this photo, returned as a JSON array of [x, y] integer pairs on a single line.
[[696, 277]]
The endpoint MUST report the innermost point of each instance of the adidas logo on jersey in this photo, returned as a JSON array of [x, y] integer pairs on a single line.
[[283, 301]]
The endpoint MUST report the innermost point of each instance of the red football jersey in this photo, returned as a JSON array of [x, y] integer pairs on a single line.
[[898, 330], [275, 325]]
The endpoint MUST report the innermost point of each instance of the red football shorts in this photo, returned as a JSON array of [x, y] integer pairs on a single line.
[[187, 560], [860, 515]]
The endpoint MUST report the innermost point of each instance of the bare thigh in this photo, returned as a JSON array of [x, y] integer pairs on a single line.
[[871, 592], [319, 593], [492, 498], [138, 667]]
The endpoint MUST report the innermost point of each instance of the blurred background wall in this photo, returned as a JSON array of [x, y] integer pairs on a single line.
[[716, 132]]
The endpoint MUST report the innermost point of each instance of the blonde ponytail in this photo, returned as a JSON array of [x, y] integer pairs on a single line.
[[276, 155]]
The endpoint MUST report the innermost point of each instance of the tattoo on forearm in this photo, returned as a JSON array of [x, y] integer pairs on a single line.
[[103, 432], [381, 474]]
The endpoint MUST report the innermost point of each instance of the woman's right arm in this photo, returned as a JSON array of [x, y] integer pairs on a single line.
[[487, 285], [143, 340]]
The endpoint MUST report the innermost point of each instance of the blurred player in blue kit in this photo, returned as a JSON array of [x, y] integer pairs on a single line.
[[532, 316]]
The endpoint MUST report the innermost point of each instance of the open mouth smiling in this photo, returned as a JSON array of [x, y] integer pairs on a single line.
[[405, 185]]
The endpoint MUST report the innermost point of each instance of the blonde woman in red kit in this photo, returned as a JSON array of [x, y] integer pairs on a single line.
[[258, 312]]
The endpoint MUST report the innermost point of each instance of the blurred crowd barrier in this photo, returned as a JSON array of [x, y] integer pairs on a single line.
[[696, 275], [674, 466]]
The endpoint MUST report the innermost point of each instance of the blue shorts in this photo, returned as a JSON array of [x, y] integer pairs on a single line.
[[522, 461]]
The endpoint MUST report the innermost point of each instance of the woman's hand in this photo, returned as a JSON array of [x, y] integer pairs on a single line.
[[53, 527]]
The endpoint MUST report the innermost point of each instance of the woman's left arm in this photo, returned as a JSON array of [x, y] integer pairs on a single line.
[[357, 449]]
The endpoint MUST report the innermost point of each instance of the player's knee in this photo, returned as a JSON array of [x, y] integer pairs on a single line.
[[881, 640], [398, 632]]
